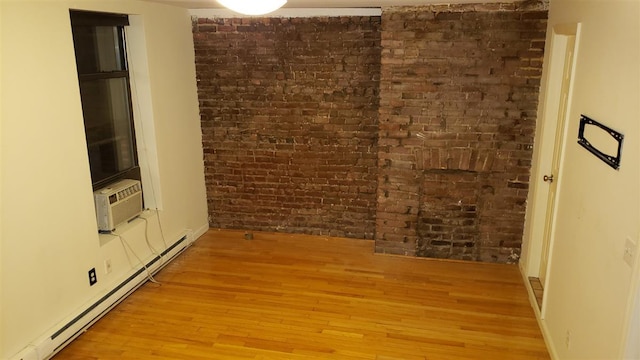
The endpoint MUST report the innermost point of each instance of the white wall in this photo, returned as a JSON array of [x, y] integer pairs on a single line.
[[590, 288], [48, 236]]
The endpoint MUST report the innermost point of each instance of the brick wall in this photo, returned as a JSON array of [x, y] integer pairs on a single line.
[[289, 111], [459, 88], [415, 129]]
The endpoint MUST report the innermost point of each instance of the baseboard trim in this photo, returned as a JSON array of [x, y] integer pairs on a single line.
[[200, 231]]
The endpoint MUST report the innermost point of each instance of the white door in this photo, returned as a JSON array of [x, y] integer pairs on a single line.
[[558, 94]]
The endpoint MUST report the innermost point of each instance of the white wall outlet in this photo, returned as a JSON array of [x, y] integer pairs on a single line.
[[630, 249], [107, 266]]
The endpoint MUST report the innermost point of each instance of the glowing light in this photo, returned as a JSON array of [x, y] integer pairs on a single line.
[[253, 7]]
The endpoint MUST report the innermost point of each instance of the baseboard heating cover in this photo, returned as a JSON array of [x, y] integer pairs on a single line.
[[48, 346]]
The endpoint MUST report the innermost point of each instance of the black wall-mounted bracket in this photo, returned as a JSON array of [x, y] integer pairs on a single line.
[[609, 159]]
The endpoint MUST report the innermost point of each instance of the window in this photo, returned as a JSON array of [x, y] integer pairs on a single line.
[[103, 75]]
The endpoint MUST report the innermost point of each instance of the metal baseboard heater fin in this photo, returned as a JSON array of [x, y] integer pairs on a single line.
[[115, 290], [106, 297]]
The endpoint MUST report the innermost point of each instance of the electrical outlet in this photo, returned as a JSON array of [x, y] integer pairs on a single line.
[[107, 266], [93, 278], [629, 251]]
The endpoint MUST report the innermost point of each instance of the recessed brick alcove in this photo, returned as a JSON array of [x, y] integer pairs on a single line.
[[414, 128]]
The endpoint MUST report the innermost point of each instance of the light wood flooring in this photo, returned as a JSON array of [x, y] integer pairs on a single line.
[[280, 296]]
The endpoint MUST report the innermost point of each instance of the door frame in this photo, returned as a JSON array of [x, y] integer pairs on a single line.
[[544, 149]]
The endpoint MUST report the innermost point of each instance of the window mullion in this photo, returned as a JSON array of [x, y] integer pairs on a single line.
[[103, 75]]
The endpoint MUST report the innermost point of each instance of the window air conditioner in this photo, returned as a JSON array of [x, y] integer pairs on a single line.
[[117, 203]]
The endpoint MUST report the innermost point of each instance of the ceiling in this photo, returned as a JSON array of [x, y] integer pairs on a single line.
[[301, 4]]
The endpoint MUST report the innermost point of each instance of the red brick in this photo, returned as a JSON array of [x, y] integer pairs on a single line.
[[478, 77], [311, 125], [265, 89]]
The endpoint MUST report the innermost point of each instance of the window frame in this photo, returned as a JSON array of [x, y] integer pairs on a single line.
[[82, 18]]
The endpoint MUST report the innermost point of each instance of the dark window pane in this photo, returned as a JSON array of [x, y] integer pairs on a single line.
[[99, 49], [105, 104]]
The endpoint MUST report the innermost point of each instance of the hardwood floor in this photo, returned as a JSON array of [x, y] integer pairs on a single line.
[[280, 296]]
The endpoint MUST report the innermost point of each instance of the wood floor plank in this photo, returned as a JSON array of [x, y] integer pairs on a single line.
[[281, 296]]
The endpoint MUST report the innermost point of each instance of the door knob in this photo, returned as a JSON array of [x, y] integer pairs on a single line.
[[548, 178]]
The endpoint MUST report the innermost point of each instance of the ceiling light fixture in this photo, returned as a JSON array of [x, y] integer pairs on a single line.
[[253, 7]]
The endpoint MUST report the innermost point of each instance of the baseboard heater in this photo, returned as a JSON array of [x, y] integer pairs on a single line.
[[41, 353], [117, 288]]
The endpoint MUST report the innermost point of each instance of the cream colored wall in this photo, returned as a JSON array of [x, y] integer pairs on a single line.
[[589, 293], [48, 236], [1, 182]]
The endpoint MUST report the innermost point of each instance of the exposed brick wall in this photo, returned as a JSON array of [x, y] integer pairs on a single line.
[[458, 99], [415, 129], [289, 111]]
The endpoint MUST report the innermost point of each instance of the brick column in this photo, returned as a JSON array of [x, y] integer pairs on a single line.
[[458, 98]]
